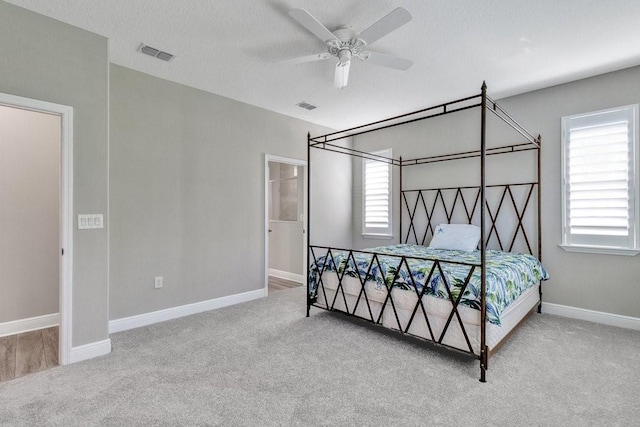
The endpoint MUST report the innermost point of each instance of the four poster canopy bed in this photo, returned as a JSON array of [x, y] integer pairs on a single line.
[[442, 283]]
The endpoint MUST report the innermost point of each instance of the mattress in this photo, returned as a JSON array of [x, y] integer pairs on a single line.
[[444, 273], [437, 312]]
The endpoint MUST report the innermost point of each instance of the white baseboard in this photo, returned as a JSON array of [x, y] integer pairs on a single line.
[[89, 351], [298, 278], [31, 324], [126, 323], [592, 316]]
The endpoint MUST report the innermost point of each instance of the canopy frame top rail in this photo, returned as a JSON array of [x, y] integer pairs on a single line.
[[531, 142]]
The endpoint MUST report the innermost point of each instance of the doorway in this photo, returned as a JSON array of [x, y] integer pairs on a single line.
[[36, 224], [285, 222]]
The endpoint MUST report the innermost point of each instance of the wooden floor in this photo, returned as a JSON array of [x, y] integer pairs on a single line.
[[278, 284], [28, 352]]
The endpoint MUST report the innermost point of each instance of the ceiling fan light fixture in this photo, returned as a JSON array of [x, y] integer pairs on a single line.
[[341, 77]]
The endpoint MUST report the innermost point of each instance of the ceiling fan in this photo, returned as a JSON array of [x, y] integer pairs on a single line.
[[346, 44]]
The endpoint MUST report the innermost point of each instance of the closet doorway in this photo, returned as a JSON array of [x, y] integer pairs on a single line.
[[285, 222], [35, 230]]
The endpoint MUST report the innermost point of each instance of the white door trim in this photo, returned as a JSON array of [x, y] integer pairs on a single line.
[[66, 211], [279, 159]]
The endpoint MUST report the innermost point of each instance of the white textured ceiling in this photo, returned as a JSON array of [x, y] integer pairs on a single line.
[[232, 48]]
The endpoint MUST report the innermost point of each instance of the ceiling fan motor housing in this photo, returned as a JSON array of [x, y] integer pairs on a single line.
[[347, 46]]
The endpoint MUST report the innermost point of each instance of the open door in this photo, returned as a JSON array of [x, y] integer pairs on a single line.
[[285, 227], [36, 224]]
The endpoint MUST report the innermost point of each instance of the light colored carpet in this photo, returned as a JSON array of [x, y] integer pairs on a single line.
[[265, 363]]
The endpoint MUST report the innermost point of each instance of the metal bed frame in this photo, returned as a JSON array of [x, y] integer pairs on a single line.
[[471, 199]]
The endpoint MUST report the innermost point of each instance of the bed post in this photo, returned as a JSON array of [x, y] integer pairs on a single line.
[[540, 215], [483, 244], [400, 207], [308, 231]]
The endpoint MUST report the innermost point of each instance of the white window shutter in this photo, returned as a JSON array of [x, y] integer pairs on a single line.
[[600, 182], [376, 200]]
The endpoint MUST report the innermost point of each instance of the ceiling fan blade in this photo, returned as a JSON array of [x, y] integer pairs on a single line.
[[383, 60], [341, 78], [312, 24], [394, 20], [308, 58]]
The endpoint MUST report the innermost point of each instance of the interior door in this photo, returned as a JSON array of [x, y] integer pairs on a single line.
[[30, 162], [286, 220]]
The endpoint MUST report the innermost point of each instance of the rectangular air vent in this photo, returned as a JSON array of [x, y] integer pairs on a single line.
[[306, 105], [156, 53]]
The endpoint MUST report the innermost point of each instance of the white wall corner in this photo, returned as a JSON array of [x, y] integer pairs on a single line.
[[126, 323], [89, 351], [626, 322]]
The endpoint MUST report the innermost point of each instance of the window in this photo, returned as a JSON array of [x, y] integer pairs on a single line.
[[600, 183], [376, 195]]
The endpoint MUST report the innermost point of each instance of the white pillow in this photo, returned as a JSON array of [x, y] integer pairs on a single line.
[[462, 237]]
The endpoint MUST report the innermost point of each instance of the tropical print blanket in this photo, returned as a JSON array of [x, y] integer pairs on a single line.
[[508, 274]]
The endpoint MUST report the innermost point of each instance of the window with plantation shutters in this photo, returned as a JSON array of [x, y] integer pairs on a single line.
[[600, 185], [376, 196]]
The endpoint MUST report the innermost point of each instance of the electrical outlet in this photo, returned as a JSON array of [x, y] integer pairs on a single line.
[[158, 282]]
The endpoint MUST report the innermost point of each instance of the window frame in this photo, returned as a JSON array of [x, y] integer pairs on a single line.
[[371, 232], [599, 245]]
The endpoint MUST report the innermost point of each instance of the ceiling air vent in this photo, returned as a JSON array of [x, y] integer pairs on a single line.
[[306, 106], [156, 53]]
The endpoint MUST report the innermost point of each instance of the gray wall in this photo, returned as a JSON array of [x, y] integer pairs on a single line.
[[187, 192], [29, 213], [606, 283], [331, 194], [603, 283], [47, 60]]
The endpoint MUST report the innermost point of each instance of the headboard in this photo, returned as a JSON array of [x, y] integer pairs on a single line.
[[512, 224]]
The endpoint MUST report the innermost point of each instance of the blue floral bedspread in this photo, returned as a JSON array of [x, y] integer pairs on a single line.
[[508, 274]]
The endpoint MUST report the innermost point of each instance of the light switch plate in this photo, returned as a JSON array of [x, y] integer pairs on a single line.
[[89, 221]]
